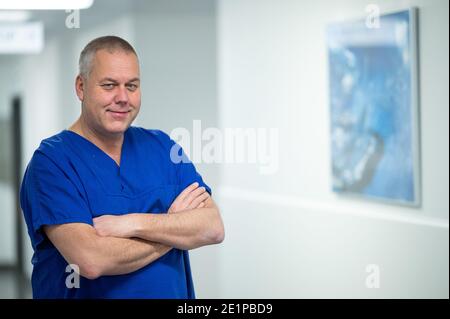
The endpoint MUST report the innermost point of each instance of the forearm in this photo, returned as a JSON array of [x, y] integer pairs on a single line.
[[117, 256], [97, 256], [184, 230], [193, 221]]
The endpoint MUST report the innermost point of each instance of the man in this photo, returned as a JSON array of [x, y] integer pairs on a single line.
[[105, 197]]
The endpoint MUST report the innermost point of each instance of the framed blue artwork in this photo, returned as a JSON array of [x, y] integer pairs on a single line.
[[373, 87]]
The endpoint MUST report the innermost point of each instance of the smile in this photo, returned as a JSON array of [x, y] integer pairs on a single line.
[[118, 114]]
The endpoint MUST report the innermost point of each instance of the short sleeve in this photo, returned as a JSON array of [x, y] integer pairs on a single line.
[[49, 196], [187, 174]]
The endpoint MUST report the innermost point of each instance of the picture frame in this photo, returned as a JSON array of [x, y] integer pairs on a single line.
[[374, 108]]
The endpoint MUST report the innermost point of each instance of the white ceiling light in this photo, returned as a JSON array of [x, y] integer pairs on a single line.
[[14, 16], [45, 4]]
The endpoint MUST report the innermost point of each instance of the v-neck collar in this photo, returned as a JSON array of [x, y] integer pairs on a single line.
[[99, 150]]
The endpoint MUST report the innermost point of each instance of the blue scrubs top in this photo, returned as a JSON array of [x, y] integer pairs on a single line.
[[70, 180]]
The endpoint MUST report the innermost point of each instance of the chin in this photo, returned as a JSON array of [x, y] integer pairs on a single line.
[[117, 128]]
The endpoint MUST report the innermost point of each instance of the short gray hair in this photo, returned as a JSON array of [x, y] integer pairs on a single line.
[[110, 43]]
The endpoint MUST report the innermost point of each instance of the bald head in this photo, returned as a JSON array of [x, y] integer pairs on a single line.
[[111, 44]]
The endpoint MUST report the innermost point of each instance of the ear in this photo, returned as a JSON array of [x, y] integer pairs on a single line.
[[79, 87]]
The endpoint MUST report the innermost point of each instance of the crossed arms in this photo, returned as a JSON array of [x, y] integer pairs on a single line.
[[122, 244]]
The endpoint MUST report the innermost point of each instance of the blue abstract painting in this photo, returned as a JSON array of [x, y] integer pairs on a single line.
[[373, 105]]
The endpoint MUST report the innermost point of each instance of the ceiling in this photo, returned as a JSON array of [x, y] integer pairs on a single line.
[[101, 10]]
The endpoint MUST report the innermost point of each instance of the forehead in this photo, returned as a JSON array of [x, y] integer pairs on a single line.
[[117, 64]]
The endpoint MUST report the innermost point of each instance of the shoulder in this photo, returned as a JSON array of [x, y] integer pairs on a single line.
[[151, 136], [53, 143], [51, 150]]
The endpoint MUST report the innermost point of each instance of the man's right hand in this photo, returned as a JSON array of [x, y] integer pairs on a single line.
[[190, 198]]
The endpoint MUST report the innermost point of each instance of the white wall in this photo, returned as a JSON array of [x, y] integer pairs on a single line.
[[287, 234]]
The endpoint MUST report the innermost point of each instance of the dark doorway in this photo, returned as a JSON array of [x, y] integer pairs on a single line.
[[11, 173], [17, 177]]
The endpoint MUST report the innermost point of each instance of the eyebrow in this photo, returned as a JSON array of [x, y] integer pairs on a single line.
[[112, 80]]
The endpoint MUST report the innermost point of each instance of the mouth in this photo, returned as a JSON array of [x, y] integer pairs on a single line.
[[118, 114]]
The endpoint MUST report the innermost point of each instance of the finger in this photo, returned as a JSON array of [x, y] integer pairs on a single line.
[[179, 203], [198, 200], [193, 195], [202, 204], [187, 191]]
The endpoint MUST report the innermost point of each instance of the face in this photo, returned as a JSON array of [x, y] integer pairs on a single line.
[[111, 95]]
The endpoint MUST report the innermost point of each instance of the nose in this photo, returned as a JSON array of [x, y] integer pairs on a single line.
[[121, 96]]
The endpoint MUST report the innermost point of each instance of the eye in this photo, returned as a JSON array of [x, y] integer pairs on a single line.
[[108, 86], [132, 87]]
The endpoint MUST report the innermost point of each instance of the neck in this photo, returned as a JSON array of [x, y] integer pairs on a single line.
[[111, 144]]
